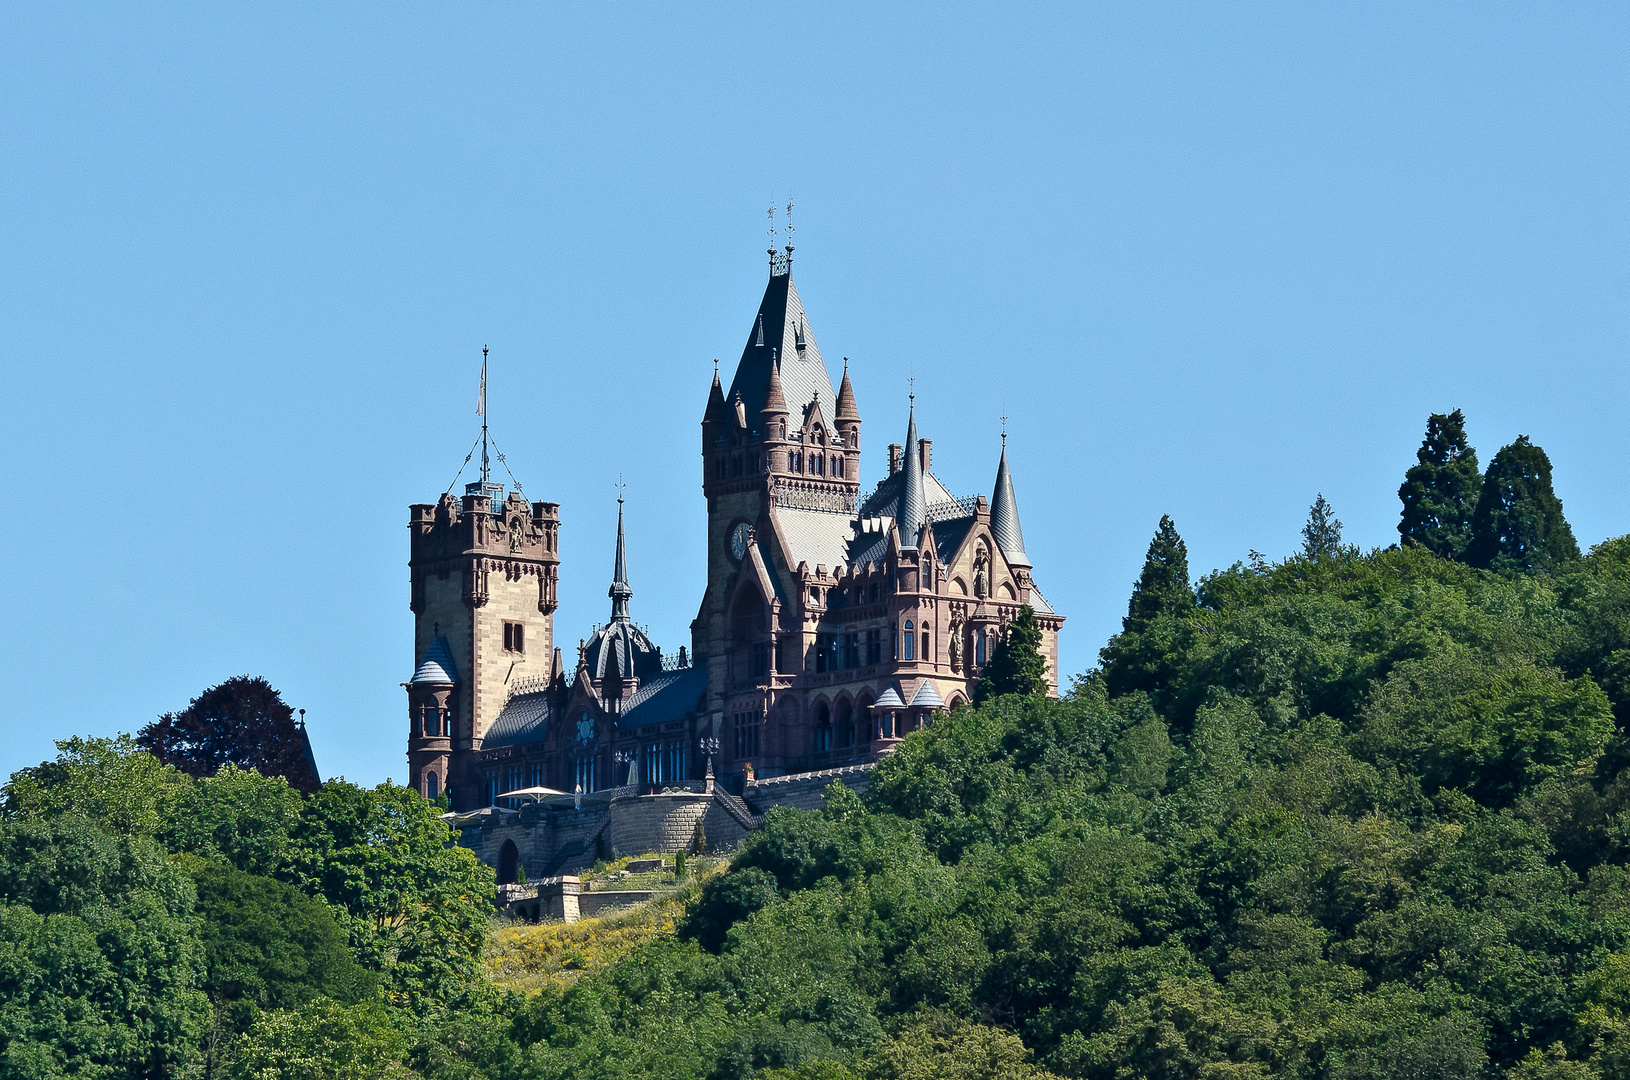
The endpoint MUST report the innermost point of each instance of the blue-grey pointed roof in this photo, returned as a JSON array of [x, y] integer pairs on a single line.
[[911, 490], [927, 697], [437, 665], [1004, 516], [780, 331]]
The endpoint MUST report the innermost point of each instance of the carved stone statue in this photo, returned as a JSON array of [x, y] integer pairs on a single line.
[[956, 644], [981, 577]]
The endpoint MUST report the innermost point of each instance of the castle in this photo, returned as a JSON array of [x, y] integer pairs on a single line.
[[832, 624]]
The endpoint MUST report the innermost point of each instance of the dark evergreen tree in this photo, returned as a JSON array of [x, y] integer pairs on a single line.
[[1321, 536], [1164, 584], [1440, 491], [1518, 524], [243, 721], [1016, 665]]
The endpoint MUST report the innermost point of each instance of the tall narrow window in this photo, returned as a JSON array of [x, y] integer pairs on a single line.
[[851, 650], [874, 647], [979, 646], [910, 642], [432, 787], [514, 637]]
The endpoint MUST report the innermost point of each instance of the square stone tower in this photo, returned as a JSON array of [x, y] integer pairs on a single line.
[[484, 570]]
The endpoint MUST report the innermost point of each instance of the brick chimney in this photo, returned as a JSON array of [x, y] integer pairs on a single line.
[[925, 444], [894, 457]]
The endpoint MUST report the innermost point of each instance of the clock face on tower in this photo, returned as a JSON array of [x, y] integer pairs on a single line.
[[738, 541]]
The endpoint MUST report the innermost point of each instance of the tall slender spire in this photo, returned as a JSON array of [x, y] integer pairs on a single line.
[[1004, 514], [911, 489], [774, 400], [620, 592]]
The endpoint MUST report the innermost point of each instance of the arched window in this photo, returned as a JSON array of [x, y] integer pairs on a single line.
[[910, 643], [979, 646], [508, 859], [432, 786], [823, 729], [837, 466], [928, 650], [846, 725]]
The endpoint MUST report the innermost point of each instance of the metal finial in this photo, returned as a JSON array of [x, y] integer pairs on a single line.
[[789, 228], [1004, 431], [771, 213], [621, 487], [912, 393]]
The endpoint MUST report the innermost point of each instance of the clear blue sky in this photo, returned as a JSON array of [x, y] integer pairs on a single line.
[[1210, 259]]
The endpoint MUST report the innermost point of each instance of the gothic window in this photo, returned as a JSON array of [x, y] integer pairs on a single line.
[[846, 725], [877, 592], [851, 650], [927, 650], [514, 637], [431, 786], [823, 729], [874, 647], [492, 787], [534, 774], [837, 467], [979, 646], [910, 642], [585, 774], [781, 430], [746, 736], [652, 771]]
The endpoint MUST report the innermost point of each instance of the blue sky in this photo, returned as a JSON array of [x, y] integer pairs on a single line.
[[1210, 260]]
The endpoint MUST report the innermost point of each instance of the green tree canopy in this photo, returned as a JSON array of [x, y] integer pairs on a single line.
[[1440, 490], [125, 790], [1016, 665], [1518, 524]]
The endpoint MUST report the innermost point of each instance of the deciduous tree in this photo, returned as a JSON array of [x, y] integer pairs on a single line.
[[244, 722]]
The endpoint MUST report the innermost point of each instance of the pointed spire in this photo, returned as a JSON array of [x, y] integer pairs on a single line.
[[1004, 514], [716, 410], [911, 489], [620, 592], [774, 400], [846, 398]]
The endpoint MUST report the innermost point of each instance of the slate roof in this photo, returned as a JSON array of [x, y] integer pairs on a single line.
[[437, 665], [927, 697], [778, 327], [1004, 515], [951, 517], [889, 699], [664, 697], [525, 718]]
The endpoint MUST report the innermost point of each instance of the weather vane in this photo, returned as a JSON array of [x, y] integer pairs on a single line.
[[621, 487]]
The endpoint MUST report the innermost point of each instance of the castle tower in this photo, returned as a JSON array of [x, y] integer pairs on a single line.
[[484, 572]]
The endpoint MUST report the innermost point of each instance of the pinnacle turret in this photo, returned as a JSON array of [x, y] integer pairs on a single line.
[[775, 402], [716, 412], [846, 398], [911, 491], [620, 591], [1004, 515]]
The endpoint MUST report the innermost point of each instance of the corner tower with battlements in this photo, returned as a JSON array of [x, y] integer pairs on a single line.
[[484, 572]]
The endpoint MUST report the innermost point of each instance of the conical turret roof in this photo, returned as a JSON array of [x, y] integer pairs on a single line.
[[437, 666], [912, 507], [774, 400], [846, 397], [716, 409], [1004, 515]]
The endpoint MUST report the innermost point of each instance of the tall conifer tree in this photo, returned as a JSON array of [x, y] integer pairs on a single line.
[[1440, 491], [1321, 536], [1016, 665], [1518, 524], [1164, 584]]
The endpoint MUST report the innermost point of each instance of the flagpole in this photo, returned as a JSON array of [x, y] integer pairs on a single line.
[[486, 468]]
